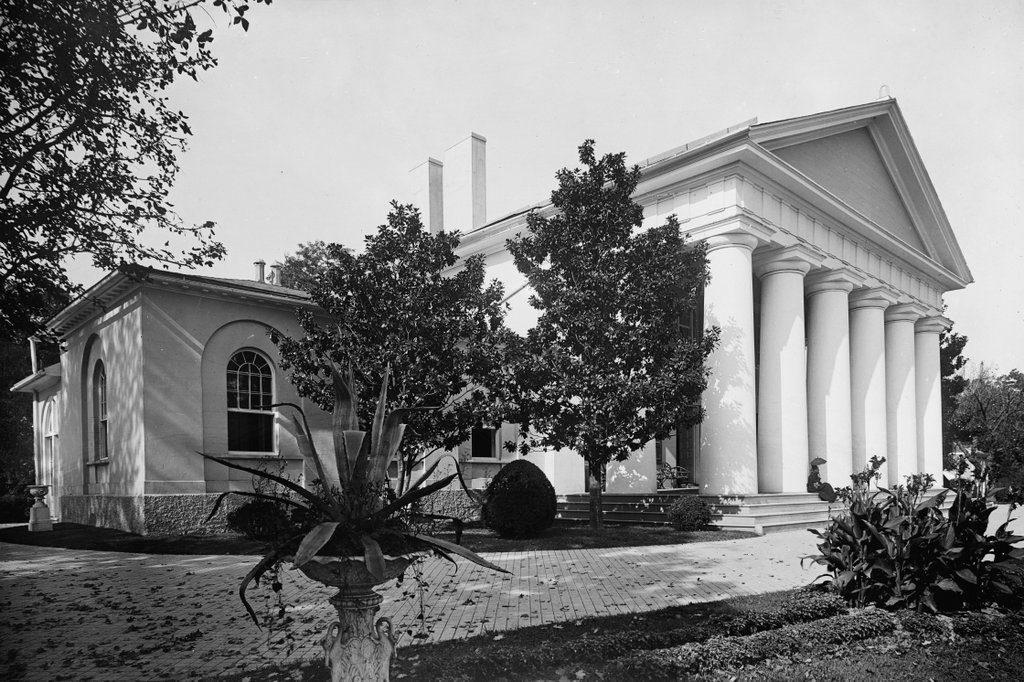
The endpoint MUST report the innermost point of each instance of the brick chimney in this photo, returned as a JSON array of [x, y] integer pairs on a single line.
[[258, 275], [426, 180], [465, 184]]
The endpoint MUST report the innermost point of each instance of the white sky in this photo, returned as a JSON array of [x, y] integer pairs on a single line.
[[310, 124]]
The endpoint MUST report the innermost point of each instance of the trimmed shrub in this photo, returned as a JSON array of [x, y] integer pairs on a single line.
[[689, 513], [520, 501], [721, 653]]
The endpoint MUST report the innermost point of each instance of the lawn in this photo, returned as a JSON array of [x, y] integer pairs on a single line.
[[475, 537]]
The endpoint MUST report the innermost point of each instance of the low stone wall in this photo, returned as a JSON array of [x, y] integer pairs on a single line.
[[149, 514], [455, 503], [186, 514], [123, 512]]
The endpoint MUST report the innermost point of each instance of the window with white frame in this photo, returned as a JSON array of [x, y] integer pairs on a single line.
[[100, 419], [250, 388]]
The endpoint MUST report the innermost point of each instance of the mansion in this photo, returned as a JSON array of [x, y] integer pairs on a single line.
[[829, 254]]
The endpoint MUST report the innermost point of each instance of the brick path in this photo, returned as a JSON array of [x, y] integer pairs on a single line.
[[70, 614]]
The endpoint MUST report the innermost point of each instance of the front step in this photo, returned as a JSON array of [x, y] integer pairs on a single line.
[[760, 514]]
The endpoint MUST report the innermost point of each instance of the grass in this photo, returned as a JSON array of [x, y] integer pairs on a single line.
[[477, 538]]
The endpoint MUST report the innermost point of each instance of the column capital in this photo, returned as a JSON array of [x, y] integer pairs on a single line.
[[795, 258], [874, 297], [905, 312], [831, 280], [738, 238], [932, 324]]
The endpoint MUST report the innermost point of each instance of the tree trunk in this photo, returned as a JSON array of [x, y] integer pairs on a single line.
[[596, 515]]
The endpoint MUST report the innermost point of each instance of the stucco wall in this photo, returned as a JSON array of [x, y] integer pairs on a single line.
[[113, 337], [189, 340]]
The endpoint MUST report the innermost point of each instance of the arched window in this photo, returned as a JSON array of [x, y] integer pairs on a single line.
[[250, 395], [99, 413]]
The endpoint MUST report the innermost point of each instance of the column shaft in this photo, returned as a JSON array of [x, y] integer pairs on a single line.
[[727, 461], [829, 426], [867, 378], [782, 461], [928, 389], [900, 392]]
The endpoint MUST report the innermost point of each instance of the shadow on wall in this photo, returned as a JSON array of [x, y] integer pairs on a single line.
[[731, 431]]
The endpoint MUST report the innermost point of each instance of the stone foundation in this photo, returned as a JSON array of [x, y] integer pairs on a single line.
[[149, 514], [455, 503], [122, 512], [186, 514]]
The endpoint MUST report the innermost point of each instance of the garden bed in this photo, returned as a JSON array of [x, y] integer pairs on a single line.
[[475, 537], [799, 634]]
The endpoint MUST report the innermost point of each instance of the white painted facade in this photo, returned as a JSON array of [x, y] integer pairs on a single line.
[[829, 254]]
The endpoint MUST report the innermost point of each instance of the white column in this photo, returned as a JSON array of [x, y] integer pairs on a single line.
[[727, 461], [928, 391], [901, 391], [867, 377], [782, 461], [829, 426]]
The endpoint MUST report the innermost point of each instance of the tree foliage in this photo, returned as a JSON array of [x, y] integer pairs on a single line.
[[89, 140], [608, 366], [951, 364], [303, 270], [990, 420], [401, 303]]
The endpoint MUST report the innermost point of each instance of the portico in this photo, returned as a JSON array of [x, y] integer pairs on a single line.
[[845, 370], [829, 254]]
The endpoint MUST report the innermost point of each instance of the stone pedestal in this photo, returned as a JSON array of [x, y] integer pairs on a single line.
[[39, 516], [355, 647]]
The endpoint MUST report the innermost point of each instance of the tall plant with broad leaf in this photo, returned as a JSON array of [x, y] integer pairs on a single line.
[[351, 509], [897, 548]]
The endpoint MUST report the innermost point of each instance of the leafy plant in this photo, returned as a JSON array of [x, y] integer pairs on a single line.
[[351, 509], [689, 513], [896, 548]]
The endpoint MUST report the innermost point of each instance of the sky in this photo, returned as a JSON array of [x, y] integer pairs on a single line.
[[308, 127]]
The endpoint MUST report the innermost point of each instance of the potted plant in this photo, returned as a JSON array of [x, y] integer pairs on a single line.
[[351, 531]]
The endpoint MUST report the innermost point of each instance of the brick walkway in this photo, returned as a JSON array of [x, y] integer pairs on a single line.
[[80, 615]]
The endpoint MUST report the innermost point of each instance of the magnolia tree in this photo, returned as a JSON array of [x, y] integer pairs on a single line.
[[89, 142], [608, 366], [403, 301]]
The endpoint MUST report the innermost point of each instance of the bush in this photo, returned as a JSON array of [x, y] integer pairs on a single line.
[[14, 508], [689, 513], [895, 549], [260, 520], [520, 501]]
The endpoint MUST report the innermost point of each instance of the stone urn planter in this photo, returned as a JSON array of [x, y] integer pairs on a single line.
[[356, 647], [355, 502], [39, 515]]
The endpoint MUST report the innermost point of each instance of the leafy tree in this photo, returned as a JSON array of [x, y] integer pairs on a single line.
[[88, 140], [400, 303], [990, 415], [953, 383], [303, 270], [607, 367]]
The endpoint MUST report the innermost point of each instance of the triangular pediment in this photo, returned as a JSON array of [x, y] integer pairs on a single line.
[[865, 158], [850, 166]]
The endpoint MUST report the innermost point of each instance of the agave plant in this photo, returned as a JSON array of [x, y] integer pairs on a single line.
[[352, 508]]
